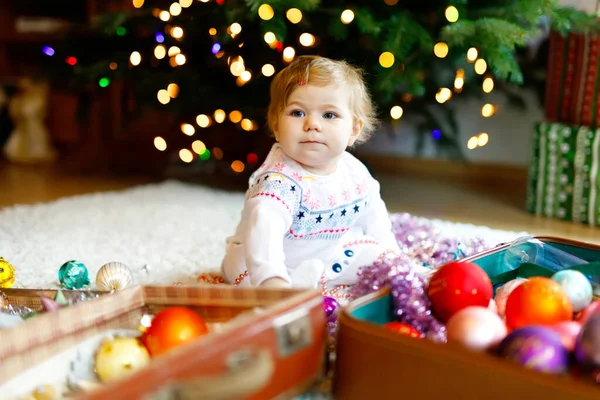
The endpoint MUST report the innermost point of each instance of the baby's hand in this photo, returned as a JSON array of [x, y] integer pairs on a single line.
[[276, 283], [307, 274]]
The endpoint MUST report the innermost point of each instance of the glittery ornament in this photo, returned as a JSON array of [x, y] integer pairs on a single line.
[[476, 328], [49, 304], [7, 274], [577, 287], [114, 276], [539, 301], [504, 291], [172, 327], [73, 275], [403, 329], [331, 308], [117, 358]]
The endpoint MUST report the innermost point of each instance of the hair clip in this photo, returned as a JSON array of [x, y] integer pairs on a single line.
[[301, 82]]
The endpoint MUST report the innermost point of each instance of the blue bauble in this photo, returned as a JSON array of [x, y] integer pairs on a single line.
[[577, 287], [73, 275]]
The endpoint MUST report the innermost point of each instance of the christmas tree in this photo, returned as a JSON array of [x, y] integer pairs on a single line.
[[210, 62]]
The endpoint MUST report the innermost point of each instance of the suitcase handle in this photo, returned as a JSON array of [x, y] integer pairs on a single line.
[[248, 372]]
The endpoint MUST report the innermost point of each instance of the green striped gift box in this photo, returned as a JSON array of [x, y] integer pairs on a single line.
[[563, 179]]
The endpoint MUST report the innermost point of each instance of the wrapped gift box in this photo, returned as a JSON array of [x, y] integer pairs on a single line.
[[262, 343]]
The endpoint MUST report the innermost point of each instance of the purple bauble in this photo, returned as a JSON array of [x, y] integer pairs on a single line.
[[535, 347], [331, 306], [587, 344]]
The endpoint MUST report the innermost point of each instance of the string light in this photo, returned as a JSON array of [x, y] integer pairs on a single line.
[[288, 54], [186, 3], [472, 54], [186, 156], [459, 81], [174, 50], [487, 110], [199, 147], [452, 14], [47, 50], [483, 139], [203, 121], [440, 50], [246, 124], [347, 16], [235, 116], [177, 32], [160, 143], [104, 82], [160, 52], [135, 58], [164, 16], [237, 166], [113, 66], [216, 48], [159, 37], [268, 70], [218, 153], [252, 158], [472, 143], [265, 12], [180, 59], [163, 96], [443, 95], [390, 2], [488, 85], [246, 76], [307, 40], [235, 29], [480, 66], [71, 60], [188, 129], [121, 31], [138, 3], [294, 15], [173, 90], [386, 59], [206, 153], [175, 9], [396, 112], [219, 115], [212, 31], [270, 37], [237, 67]]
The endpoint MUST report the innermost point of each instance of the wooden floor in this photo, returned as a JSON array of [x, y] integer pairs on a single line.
[[496, 203]]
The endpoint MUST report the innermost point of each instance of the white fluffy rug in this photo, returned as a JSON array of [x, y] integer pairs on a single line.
[[177, 230]]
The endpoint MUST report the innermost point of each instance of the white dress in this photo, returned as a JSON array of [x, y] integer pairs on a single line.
[[291, 215]]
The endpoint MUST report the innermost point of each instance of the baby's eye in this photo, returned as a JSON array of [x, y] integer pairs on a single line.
[[297, 113], [329, 115]]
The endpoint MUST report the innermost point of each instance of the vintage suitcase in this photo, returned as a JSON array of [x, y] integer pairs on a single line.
[[375, 363], [263, 344]]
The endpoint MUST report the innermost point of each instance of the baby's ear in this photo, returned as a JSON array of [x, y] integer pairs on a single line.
[[356, 131]]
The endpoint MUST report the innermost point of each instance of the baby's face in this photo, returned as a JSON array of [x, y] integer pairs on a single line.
[[317, 126]]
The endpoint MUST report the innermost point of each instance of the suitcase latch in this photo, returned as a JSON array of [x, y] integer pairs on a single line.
[[294, 332]]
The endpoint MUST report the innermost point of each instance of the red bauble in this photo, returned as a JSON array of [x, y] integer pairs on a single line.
[[456, 286], [587, 312], [403, 329], [171, 328]]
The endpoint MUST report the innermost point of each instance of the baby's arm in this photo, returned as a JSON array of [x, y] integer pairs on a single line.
[[268, 221]]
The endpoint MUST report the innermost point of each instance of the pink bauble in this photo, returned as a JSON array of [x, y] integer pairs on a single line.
[[568, 331], [587, 312], [476, 328], [493, 307], [502, 294]]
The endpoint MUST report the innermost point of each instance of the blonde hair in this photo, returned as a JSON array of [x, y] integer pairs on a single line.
[[323, 71]]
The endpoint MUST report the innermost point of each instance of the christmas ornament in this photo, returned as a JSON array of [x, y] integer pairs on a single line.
[[587, 312], [403, 329], [568, 332], [119, 357], [587, 345], [456, 286], [172, 327], [577, 286], [114, 276], [503, 292], [60, 298], [476, 328], [535, 347], [73, 275], [45, 392], [7, 274], [49, 304], [539, 301], [331, 307]]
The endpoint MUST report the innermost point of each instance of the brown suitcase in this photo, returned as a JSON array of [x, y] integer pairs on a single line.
[[264, 343], [373, 362]]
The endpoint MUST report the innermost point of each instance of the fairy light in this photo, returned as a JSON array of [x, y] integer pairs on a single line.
[[294, 15], [288, 54], [235, 116], [199, 147], [390, 2], [265, 12], [440, 50], [212, 31], [218, 153], [186, 156], [188, 129], [459, 80], [173, 90], [180, 59], [307, 40], [113, 66], [347, 16], [160, 52], [175, 9], [237, 166], [268, 70], [160, 143], [138, 3], [472, 142], [203, 121], [135, 58], [396, 112], [164, 16], [219, 115], [488, 85], [386, 59], [186, 3], [270, 37], [246, 124], [483, 139], [480, 66], [237, 67], [487, 110], [452, 14], [246, 76], [472, 54], [177, 32], [235, 29], [163, 96], [443, 95], [174, 50]]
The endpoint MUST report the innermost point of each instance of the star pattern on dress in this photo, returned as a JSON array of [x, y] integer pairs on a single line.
[[266, 177], [343, 214], [293, 188], [300, 214], [319, 219], [356, 208]]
